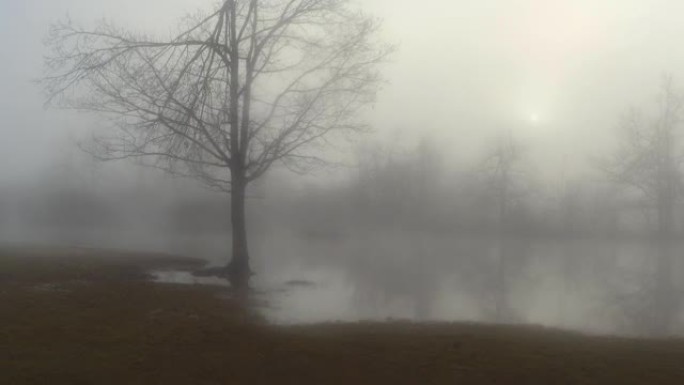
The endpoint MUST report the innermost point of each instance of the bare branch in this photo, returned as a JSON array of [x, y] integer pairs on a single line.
[[251, 84]]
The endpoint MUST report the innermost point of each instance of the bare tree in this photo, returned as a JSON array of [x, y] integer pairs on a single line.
[[251, 84], [648, 161], [504, 179]]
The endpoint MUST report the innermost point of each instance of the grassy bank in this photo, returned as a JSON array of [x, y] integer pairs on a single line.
[[89, 317]]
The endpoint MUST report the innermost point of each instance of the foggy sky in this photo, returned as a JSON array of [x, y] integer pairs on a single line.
[[557, 74]]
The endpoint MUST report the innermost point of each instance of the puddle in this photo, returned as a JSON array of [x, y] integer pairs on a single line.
[[318, 296], [52, 288], [307, 292], [186, 278]]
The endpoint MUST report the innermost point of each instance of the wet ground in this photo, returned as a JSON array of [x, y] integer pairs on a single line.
[[92, 317], [582, 285], [321, 297]]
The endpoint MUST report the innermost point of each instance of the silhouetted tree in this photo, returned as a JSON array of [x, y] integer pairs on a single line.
[[648, 161], [248, 85], [503, 178]]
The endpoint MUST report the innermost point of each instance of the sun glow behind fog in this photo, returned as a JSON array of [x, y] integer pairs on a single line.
[[534, 118], [486, 66]]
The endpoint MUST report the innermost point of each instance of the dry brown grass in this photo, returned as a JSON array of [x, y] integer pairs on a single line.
[[86, 317]]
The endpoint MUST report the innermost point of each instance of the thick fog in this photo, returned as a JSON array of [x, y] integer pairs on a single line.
[[495, 185]]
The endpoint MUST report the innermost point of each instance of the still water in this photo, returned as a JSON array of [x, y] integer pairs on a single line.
[[586, 285], [578, 285]]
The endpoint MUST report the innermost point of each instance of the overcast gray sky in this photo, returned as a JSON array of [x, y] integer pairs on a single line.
[[557, 73]]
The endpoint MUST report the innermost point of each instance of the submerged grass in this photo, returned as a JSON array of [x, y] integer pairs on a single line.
[[89, 317]]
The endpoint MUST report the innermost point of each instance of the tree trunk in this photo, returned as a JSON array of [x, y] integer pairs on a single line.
[[239, 271]]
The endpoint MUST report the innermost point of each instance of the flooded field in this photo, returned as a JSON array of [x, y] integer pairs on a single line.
[[578, 285]]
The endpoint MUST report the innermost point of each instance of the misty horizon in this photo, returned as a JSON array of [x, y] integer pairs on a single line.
[[494, 184]]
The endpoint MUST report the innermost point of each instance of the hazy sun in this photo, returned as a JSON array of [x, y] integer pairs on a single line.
[[534, 118]]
